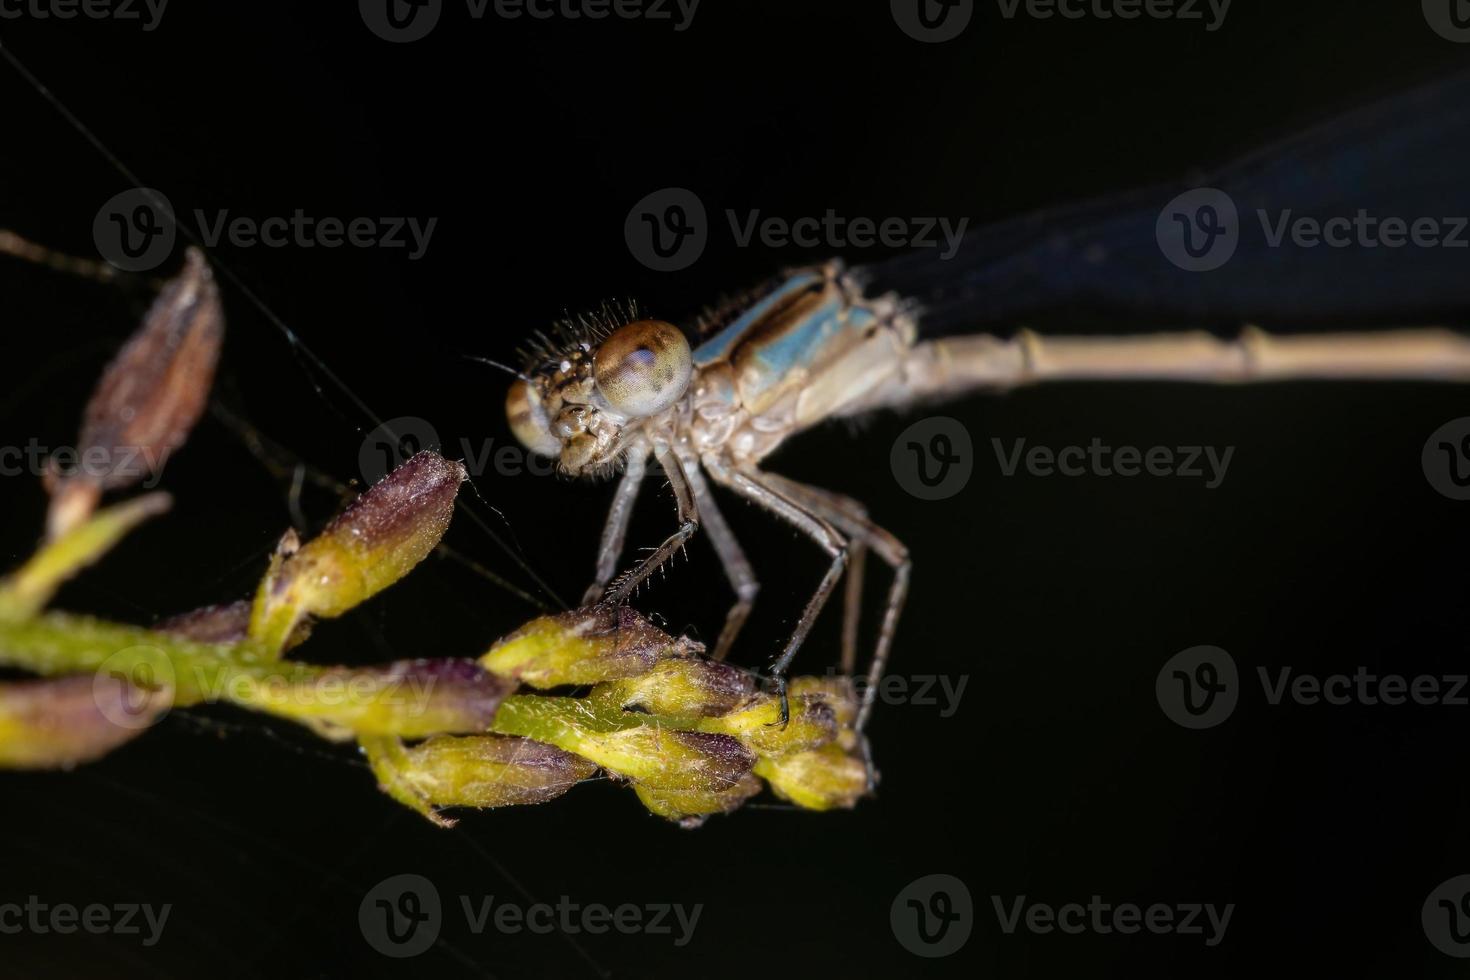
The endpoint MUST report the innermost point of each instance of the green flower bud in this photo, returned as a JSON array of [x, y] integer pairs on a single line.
[[827, 778], [584, 646], [372, 544]]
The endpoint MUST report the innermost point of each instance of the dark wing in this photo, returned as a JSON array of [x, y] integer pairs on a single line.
[[1404, 158]]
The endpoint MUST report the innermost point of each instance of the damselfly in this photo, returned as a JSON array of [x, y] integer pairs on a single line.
[[1384, 190]]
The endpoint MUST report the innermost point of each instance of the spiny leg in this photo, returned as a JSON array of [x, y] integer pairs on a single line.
[[852, 518], [688, 524], [752, 485], [737, 567], [615, 531]]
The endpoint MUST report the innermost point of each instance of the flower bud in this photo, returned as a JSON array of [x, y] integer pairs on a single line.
[[409, 699], [59, 722], [827, 778], [690, 808], [492, 770], [584, 646], [840, 695], [682, 687], [372, 544], [758, 725]]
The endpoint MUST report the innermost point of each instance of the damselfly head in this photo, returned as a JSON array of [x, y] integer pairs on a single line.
[[578, 398]]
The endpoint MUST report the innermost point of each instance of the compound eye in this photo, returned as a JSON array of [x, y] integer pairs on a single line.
[[528, 420], [643, 368]]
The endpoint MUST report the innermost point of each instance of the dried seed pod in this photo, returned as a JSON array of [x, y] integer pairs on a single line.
[[148, 398], [376, 541]]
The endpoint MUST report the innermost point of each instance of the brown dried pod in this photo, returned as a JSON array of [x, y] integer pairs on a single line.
[[148, 398]]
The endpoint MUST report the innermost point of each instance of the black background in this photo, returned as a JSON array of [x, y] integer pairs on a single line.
[[1057, 600]]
